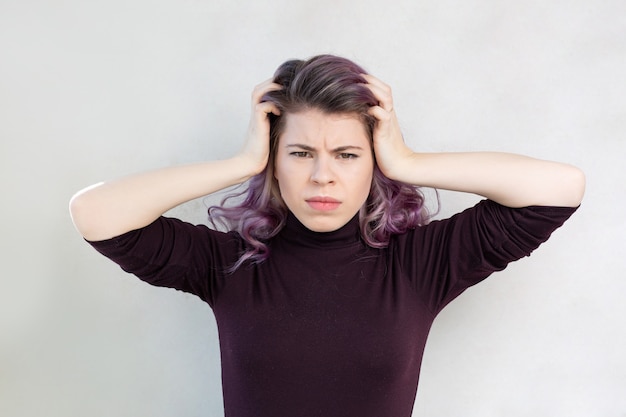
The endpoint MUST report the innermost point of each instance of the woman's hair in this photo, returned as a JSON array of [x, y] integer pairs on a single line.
[[332, 85]]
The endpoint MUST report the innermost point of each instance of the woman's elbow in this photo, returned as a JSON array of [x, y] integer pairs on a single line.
[[576, 183], [82, 212]]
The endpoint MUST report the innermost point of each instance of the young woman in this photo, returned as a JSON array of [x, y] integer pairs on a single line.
[[327, 284]]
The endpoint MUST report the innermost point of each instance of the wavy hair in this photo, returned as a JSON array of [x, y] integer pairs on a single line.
[[333, 85]]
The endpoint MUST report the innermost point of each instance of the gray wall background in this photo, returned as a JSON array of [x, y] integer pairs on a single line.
[[91, 90]]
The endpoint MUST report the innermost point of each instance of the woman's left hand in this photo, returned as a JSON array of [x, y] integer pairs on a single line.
[[509, 179], [389, 147]]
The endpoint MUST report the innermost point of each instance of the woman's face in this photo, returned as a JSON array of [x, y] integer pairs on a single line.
[[324, 167]]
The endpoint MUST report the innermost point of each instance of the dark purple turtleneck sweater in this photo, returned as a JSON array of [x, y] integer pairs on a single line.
[[327, 326]]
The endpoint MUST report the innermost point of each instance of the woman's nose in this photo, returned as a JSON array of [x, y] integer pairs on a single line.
[[322, 172]]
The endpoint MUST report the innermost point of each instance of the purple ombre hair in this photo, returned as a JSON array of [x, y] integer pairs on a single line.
[[332, 85]]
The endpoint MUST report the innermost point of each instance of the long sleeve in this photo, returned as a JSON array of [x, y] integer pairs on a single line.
[[447, 256], [175, 254]]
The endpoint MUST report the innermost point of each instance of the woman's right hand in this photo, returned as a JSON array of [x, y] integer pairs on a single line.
[[114, 207], [256, 149]]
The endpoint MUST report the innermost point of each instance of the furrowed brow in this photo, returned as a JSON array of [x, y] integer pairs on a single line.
[[300, 146], [339, 149], [347, 148]]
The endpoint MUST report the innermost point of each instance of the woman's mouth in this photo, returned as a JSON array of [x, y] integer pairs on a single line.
[[323, 203]]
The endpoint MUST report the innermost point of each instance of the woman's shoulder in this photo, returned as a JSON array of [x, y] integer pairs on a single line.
[[497, 218], [168, 231]]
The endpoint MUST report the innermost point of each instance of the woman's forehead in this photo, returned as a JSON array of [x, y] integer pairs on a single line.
[[314, 127]]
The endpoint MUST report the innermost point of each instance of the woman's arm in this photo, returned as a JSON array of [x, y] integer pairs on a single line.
[[509, 179], [112, 208]]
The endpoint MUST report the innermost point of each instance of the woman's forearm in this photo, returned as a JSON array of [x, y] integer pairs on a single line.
[[509, 179], [112, 208]]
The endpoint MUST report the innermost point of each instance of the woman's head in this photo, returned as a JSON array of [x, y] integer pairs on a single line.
[[323, 106], [323, 167], [327, 83], [332, 87]]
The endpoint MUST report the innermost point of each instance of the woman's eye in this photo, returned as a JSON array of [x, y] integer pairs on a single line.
[[347, 156], [300, 154]]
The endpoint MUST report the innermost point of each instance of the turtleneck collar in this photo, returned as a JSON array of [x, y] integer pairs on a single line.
[[295, 232]]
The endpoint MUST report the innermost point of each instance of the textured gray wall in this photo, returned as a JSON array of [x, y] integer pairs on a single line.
[[91, 90]]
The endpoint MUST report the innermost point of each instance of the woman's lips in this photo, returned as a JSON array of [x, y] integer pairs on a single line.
[[323, 203]]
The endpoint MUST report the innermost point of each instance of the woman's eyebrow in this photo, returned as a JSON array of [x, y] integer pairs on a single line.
[[312, 149], [347, 148], [300, 146]]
